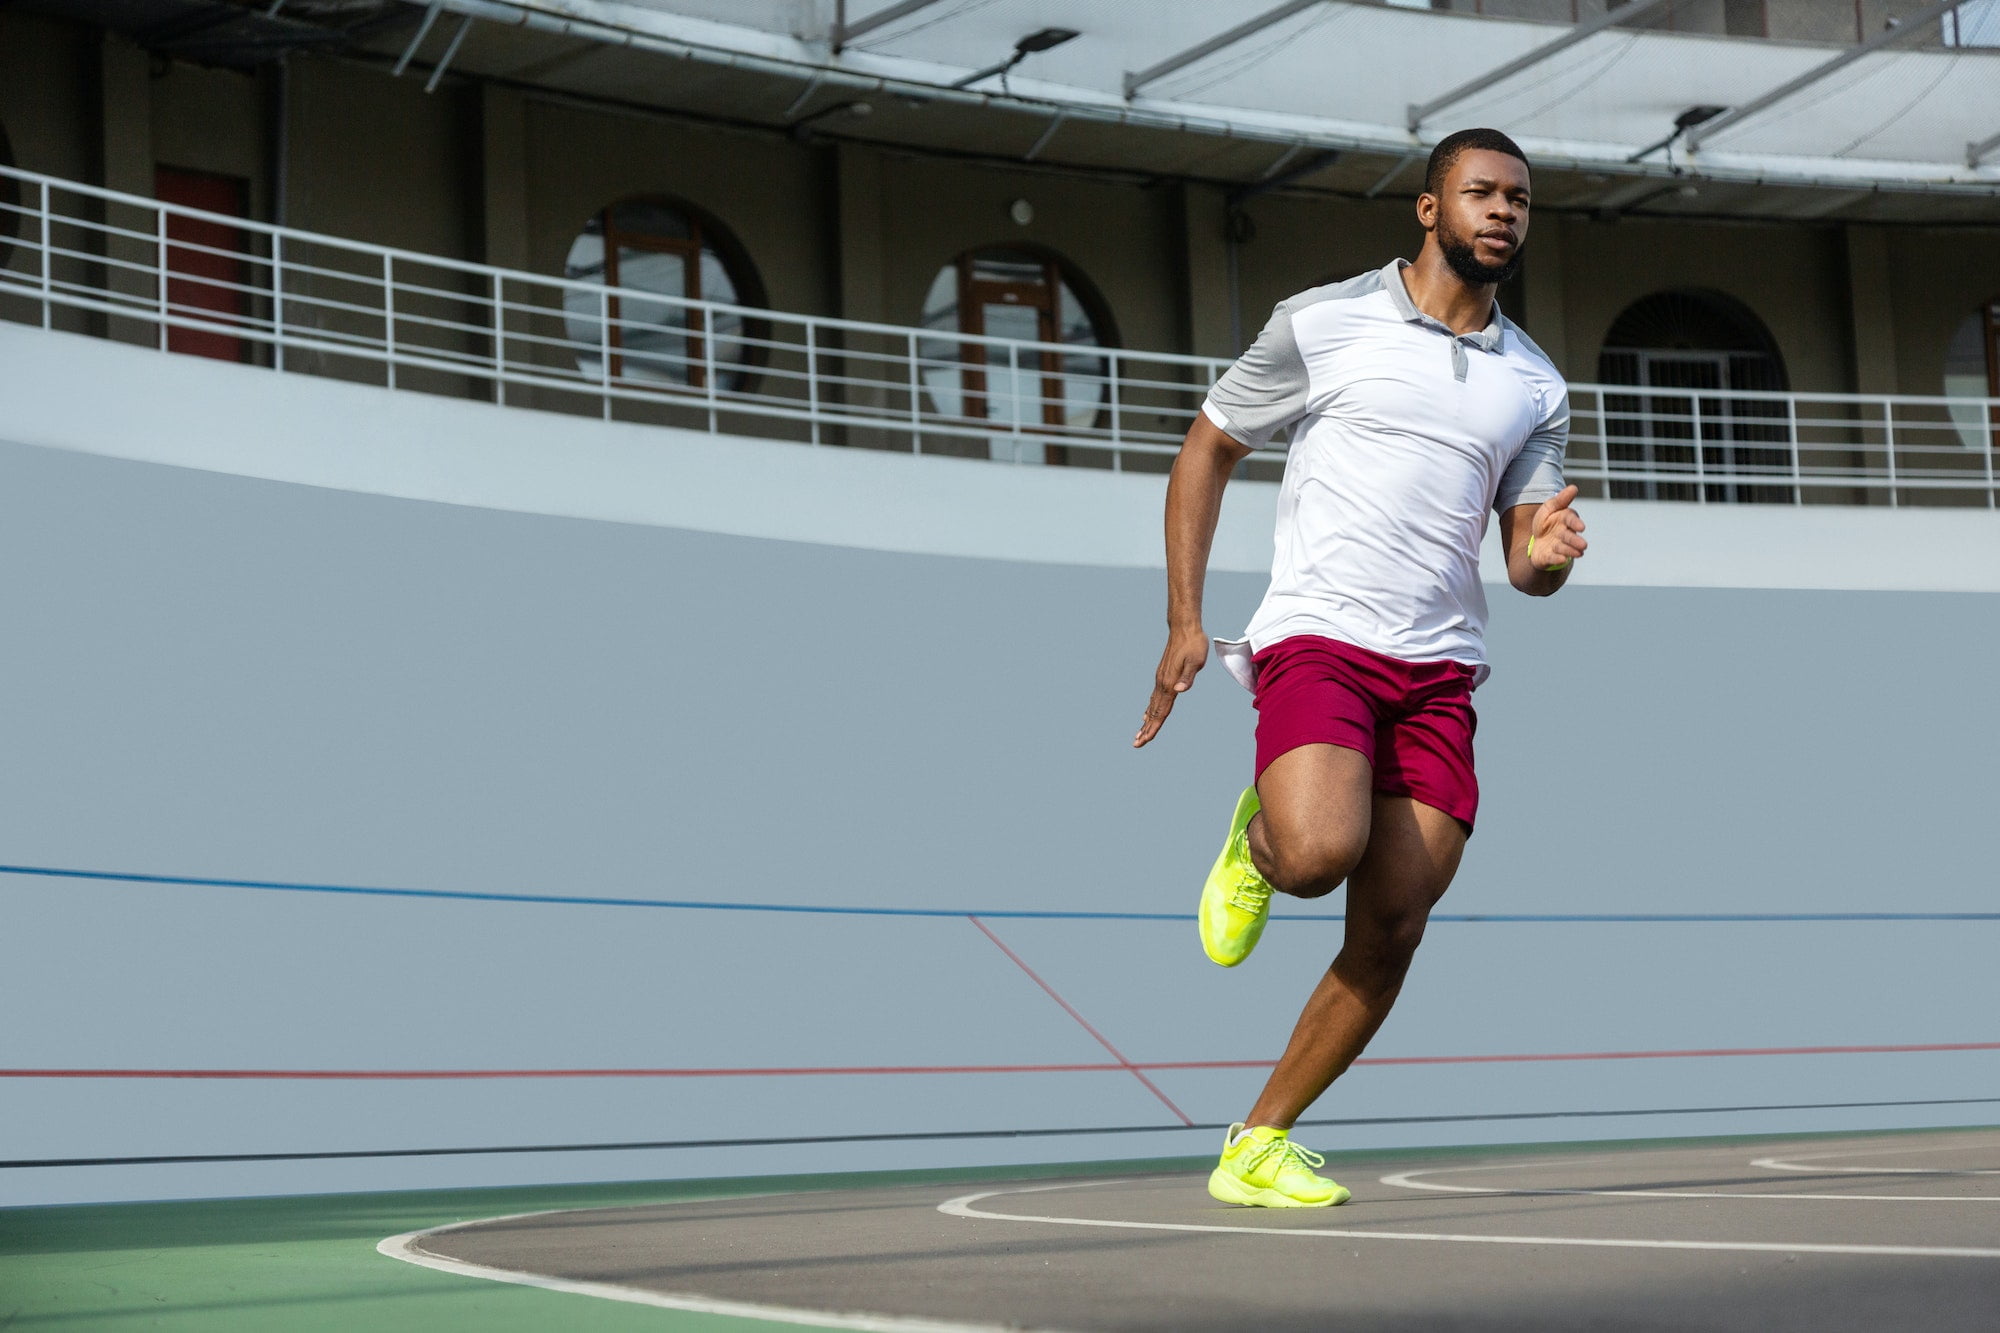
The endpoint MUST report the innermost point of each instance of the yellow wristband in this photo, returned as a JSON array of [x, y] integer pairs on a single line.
[[1552, 569]]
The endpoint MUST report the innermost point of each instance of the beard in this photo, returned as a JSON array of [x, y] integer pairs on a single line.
[[1463, 258]]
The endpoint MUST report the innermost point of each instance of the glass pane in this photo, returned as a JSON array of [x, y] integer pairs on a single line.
[[1013, 380], [1008, 266], [653, 334], [940, 356], [582, 308], [1966, 375], [1083, 375]]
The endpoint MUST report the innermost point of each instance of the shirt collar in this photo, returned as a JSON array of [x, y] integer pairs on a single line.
[[1487, 339]]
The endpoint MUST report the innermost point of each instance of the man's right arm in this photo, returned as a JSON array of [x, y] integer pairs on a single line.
[[1194, 506]]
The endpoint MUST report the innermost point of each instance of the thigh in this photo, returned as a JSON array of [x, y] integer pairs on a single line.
[[1413, 852], [1317, 802]]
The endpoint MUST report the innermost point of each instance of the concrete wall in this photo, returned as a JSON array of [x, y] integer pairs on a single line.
[[301, 632]]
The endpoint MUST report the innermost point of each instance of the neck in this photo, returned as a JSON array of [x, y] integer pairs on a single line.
[[1438, 291]]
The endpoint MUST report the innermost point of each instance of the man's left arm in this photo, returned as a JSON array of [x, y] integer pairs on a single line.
[[1542, 543], [1541, 534]]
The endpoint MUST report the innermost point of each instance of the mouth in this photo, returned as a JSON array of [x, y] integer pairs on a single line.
[[1497, 241]]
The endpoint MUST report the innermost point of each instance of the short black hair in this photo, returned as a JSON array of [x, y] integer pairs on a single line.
[[1452, 146]]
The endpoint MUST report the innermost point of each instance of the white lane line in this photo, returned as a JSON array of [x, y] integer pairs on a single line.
[[1793, 1163], [1408, 1180], [963, 1207], [407, 1248]]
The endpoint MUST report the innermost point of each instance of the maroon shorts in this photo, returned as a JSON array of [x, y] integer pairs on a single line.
[[1413, 720]]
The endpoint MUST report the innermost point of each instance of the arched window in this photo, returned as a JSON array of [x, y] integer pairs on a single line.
[[1694, 350], [1972, 370], [1033, 297], [661, 255]]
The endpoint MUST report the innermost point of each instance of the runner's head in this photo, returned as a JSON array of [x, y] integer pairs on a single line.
[[1475, 204]]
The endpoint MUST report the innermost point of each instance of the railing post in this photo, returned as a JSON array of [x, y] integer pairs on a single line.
[[277, 300], [1792, 434], [1700, 473], [604, 345], [499, 339], [708, 365], [1014, 387], [1992, 427], [1889, 440], [160, 269], [812, 376], [389, 315], [48, 260], [1117, 428], [916, 401]]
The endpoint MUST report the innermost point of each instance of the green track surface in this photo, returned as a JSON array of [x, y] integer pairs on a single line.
[[309, 1262]]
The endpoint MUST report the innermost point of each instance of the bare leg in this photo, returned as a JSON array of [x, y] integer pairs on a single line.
[[1412, 853], [1313, 827]]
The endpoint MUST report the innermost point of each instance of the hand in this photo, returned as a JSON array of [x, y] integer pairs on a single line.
[[1187, 653], [1557, 533]]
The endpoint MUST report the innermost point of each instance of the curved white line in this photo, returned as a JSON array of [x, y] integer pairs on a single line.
[[1408, 1180], [962, 1207], [1780, 1164], [406, 1248]]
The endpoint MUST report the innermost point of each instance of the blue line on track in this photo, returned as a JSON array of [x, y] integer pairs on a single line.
[[465, 895]]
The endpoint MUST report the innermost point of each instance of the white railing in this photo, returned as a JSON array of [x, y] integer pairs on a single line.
[[85, 259]]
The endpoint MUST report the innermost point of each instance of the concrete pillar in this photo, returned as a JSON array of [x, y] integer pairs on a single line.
[[1871, 308], [1543, 300], [1205, 266], [125, 163], [503, 172], [863, 250]]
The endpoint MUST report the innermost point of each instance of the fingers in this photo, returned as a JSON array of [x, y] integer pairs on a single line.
[[1560, 500], [1157, 708]]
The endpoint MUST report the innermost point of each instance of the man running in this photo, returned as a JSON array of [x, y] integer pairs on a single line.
[[1414, 407]]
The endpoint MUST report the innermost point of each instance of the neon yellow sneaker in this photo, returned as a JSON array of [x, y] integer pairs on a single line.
[[1263, 1168], [1236, 901]]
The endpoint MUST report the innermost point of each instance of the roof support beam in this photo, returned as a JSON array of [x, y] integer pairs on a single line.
[[1975, 151], [1909, 28], [1154, 73], [845, 32], [1419, 112]]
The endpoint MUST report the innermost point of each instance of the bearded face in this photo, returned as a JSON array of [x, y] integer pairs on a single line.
[[1463, 253]]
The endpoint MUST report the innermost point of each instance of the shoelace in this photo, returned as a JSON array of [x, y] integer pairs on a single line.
[[1305, 1157], [1252, 891]]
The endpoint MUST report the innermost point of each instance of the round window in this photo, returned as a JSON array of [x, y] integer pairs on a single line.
[[664, 264], [1043, 375]]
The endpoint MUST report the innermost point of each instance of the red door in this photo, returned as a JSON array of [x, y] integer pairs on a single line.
[[205, 278]]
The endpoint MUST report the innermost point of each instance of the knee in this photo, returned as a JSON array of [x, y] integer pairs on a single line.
[[1315, 867], [1377, 954]]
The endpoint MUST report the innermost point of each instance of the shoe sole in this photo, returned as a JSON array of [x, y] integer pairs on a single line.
[[1237, 821], [1230, 1188]]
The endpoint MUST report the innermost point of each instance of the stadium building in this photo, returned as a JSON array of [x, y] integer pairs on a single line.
[[579, 573]]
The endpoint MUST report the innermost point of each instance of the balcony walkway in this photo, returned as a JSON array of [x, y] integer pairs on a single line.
[[131, 269]]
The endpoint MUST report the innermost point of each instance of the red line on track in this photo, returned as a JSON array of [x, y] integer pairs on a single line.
[[1083, 1022], [1136, 1068]]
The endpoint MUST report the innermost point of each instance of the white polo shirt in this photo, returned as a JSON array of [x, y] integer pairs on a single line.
[[1404, 437]]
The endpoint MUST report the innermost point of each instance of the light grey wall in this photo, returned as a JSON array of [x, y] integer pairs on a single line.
[[220, 677]]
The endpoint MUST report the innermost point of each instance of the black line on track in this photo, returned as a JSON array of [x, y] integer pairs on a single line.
[[944, 1135]]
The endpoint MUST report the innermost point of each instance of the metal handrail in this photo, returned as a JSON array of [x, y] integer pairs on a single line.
[[93, 260]]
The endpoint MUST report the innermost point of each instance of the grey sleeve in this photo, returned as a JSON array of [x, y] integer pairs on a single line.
[[1266, 390], [1536, 473]]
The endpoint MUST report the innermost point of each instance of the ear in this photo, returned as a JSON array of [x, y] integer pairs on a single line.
[[1427, 211]]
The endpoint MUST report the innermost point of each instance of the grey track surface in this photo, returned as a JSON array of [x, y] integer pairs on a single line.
[[892, 1252]]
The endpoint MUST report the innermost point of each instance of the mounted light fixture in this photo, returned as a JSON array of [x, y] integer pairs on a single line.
[[1043, 39], [801, 129], [1685, 121]]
